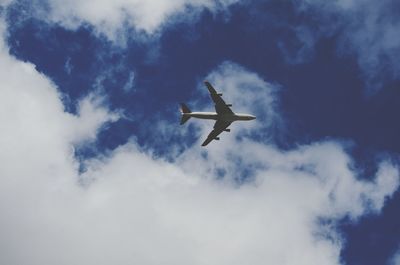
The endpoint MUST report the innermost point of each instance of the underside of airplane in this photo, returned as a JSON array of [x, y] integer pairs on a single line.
[[223, 115]]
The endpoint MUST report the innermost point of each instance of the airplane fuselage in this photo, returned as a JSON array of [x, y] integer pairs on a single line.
[[224, 117]]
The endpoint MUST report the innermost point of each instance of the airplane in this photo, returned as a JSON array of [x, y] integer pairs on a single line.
[[223, 116]]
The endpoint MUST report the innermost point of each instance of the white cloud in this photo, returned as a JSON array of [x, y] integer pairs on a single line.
[[91, 117], [112, 17], [140, 210]]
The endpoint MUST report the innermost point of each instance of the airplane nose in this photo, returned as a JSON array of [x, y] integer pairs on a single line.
[[253, 117]]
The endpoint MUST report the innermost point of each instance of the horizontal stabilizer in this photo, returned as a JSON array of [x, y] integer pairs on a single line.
[[184, 118]]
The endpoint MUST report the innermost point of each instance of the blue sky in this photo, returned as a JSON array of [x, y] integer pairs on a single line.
[[100, 84]]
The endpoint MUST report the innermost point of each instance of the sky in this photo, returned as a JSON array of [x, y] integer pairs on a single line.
[[95, 168]]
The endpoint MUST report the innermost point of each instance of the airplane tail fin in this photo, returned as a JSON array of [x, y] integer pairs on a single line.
[[185, 111], [184, 108]]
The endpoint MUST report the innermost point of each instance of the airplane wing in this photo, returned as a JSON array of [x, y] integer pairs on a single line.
[[219, 127], [220, 106]]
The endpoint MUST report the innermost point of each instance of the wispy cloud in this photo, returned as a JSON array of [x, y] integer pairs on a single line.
[[395, 260], [119, 19], [130, 83], [366, 28]]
